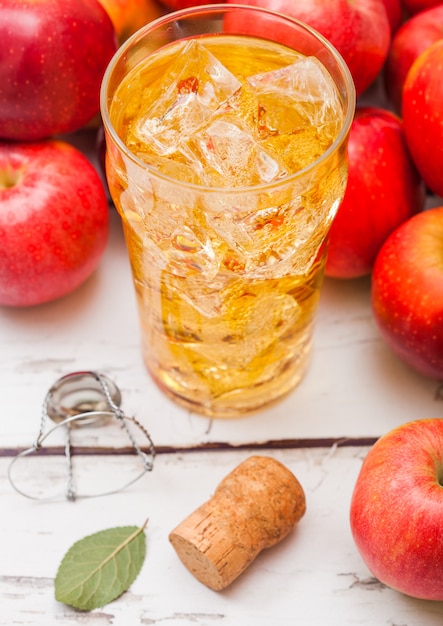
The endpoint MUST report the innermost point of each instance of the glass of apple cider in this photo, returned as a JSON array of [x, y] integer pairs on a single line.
[[226, 130]]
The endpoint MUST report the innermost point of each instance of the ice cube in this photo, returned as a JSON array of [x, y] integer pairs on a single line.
[[251, 319], [195, 86], [191, 252], [294, 94], [299, 112], [175, 165], [229, 156]]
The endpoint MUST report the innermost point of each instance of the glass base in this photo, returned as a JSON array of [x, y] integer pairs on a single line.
[[236, 403]]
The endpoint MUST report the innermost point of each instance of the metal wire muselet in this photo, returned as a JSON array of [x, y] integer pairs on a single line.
[[77, 400]]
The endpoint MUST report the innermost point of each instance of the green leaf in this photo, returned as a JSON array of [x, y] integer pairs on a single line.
[[99, 568]]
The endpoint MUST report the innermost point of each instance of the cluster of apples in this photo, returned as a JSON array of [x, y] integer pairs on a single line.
[[54, 212], [395, 156]]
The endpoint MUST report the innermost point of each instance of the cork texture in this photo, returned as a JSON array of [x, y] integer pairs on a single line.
[[253, 508]]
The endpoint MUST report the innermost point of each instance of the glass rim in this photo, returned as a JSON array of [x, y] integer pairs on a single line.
[[224, 8]]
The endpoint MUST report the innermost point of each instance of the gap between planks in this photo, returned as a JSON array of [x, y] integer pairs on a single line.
[[216, 446]]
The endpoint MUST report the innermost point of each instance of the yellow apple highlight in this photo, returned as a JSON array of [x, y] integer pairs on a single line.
[[130, 15]]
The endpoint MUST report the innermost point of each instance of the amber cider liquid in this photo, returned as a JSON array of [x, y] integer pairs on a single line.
[[227, 255]]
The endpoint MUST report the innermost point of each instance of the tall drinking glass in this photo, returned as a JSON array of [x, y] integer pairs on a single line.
[[226, 130]]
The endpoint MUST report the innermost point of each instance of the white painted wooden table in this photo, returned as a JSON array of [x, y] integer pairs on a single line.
[[355, 391]]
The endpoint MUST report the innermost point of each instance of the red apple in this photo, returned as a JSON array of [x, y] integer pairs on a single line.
[[360, 30], [53, 57], [130, 15], [396, 509], [411, 39], [407, 292], [415, 6], [54, 221], [394, 12], [383, 190], [422, 106]]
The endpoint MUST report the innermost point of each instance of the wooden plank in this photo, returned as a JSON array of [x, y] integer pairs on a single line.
[[315, 576]]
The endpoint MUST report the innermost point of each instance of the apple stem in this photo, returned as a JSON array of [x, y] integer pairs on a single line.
[[10, 178]]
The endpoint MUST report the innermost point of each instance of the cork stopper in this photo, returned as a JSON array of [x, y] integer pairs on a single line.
[[254, 507]]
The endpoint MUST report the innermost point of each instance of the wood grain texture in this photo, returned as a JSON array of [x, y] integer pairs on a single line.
[[313, 577]]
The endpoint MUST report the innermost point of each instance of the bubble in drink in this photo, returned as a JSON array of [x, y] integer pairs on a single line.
[[227, 249]]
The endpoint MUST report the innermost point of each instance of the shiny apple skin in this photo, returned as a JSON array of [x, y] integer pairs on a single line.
[[53, 56], [396, 509]]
